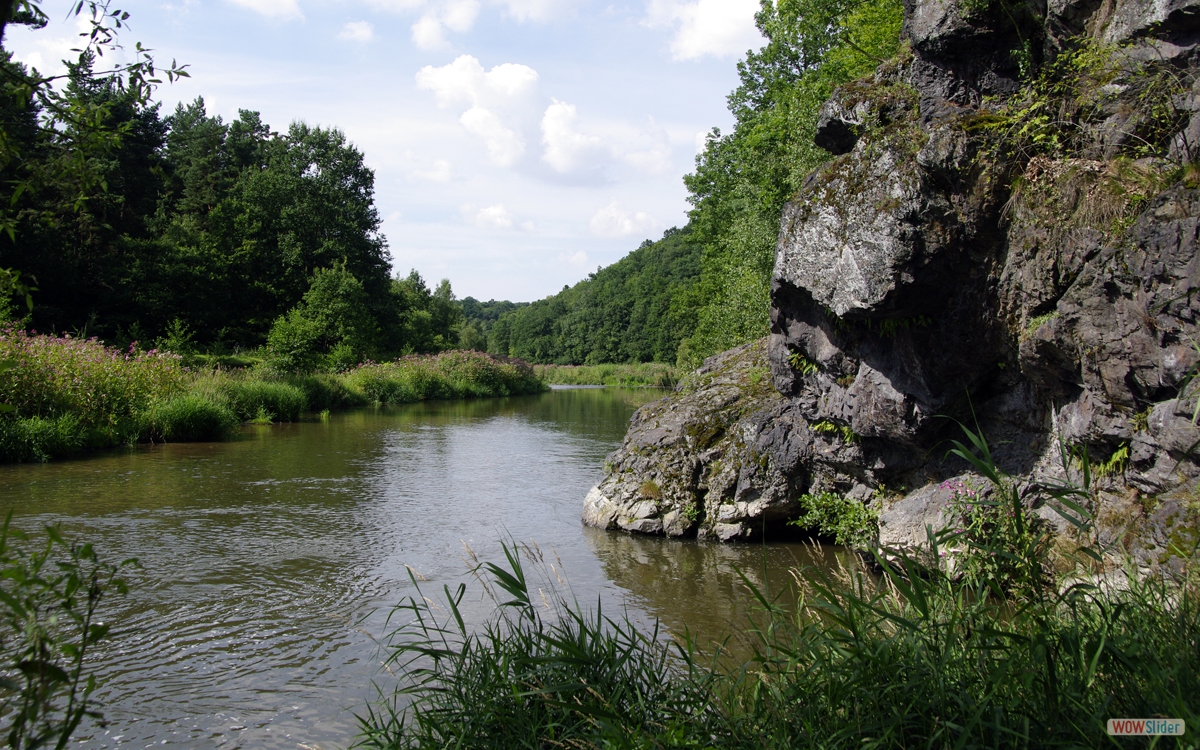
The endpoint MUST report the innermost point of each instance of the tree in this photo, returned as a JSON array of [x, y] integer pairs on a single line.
[[331, 326]]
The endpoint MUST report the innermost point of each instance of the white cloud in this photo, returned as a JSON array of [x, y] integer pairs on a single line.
[[357, 31], [427, 33], [722, 28], [497, 101], [648, 151], [464, 81], [567, 149], [442, 171], [614, 221], [578, 259], [46, 52], [494, 217], [504, 144], [455, 15], [572, 149], [282, 9], [460, 15], [396, 6], [536, 10]]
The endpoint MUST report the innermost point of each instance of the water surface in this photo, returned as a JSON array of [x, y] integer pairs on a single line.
[[269, 562]]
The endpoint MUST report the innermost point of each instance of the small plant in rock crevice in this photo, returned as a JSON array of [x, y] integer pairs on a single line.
[[802, 364], [830, 428], [845, 520]]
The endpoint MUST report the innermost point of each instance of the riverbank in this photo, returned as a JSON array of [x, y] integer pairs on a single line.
[[634, 375], [67, 395]]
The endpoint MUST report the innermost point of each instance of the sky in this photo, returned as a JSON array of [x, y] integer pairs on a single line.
[[517, 144]]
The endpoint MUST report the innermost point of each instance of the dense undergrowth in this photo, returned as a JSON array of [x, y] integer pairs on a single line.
[[653, 374], [907, 651], [66, 394]]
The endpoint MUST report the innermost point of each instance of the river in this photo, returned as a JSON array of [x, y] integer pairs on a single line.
[[270, 562]]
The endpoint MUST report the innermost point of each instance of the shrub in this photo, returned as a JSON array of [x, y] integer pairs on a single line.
[[452, 374], [293, 343], [102, 387], [40, 438], [844, 520], [249, 398], [188, 417], [323, 392]]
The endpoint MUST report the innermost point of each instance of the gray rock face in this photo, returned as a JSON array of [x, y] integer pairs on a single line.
[[1138, 18], [721, 457], [856, 251], [914, 286]]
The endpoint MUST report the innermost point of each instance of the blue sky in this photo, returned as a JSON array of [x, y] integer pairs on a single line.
[[517, 144]]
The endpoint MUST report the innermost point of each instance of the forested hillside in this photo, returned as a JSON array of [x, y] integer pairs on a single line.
[[622, 313]]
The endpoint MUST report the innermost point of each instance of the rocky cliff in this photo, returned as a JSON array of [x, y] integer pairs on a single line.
[[1007, 236]]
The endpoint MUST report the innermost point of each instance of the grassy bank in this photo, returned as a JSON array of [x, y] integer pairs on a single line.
[[653, 374], [1013, 645], [66, 395]]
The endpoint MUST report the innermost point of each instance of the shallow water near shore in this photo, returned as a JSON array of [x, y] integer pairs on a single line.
[[269, 563]]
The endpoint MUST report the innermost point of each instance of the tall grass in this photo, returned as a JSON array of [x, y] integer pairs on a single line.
[[654, 374], [64, 395], [452, 374], [903, 652]]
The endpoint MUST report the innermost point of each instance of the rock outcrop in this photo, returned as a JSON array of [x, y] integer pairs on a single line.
[[960, 260]]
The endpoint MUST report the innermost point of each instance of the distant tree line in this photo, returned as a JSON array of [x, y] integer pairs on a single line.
[[621, 313]]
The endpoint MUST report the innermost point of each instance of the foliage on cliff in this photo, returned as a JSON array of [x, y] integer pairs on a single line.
[[744, 177]]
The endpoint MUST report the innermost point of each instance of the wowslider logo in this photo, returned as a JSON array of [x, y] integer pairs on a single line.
[[1145, 727]]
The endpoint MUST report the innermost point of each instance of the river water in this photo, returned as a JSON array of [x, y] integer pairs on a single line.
[[269, 563]]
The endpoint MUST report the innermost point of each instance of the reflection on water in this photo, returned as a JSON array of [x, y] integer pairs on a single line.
[[696, 586], [270, 561]]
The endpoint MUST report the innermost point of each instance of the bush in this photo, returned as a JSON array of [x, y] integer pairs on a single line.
[[843, 519], [189, 417], [452, 374], [322, 391], [251, 398], [293, 344], [102, 387], [40, 438]]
